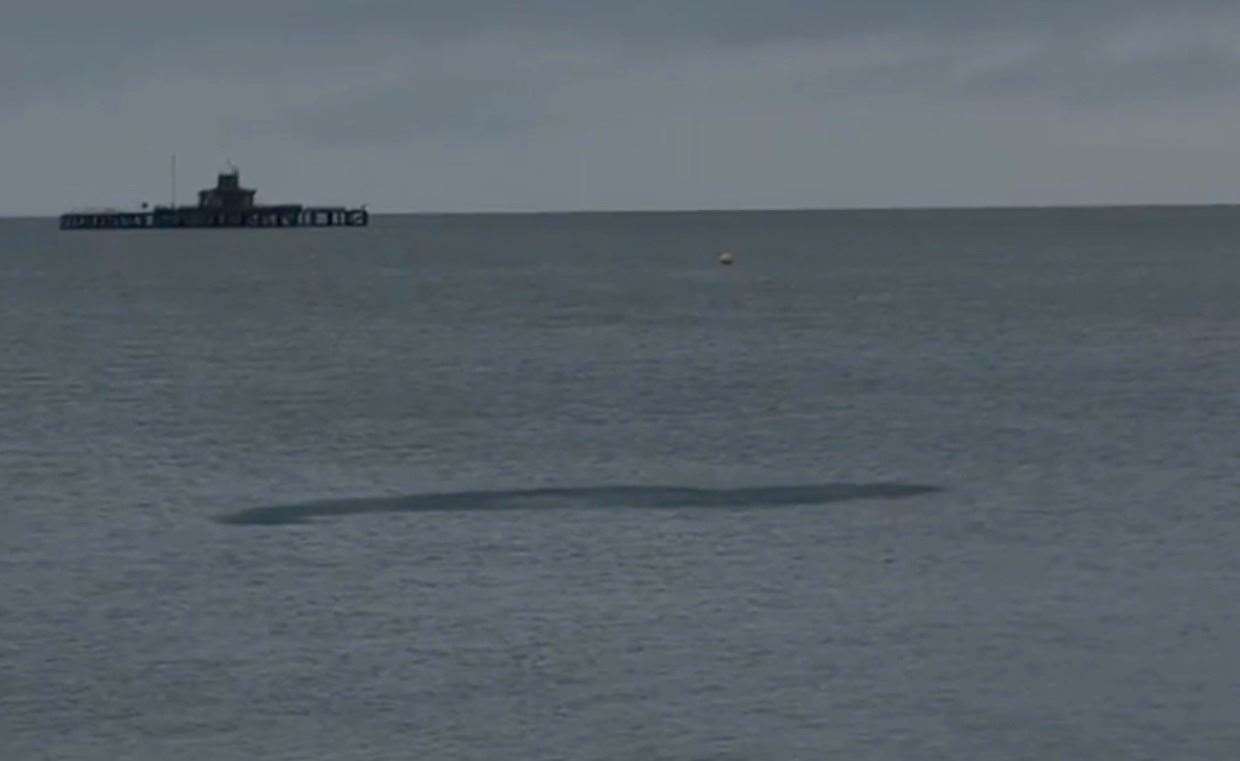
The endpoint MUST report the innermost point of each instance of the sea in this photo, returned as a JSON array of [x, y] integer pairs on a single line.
[[923, 484]]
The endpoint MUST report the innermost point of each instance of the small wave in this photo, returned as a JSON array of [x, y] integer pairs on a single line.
[[582, 498]]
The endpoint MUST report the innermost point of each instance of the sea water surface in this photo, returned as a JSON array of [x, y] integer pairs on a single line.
[[896, 485]]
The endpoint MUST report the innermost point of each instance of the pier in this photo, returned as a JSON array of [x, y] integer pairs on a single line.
[[226, 205], [259, 216]]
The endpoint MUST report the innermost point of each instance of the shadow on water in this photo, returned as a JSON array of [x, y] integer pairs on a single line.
[[582, 498]]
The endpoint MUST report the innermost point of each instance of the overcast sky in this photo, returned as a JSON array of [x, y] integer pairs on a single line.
[[450, 105]]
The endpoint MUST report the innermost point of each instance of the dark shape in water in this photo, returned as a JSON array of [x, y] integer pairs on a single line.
[[638, 497], [226, 205]]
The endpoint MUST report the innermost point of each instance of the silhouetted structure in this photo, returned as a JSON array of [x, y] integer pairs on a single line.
[[226, 205], [227, 193]]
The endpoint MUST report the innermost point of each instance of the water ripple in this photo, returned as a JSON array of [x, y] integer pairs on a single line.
[[636, 497]]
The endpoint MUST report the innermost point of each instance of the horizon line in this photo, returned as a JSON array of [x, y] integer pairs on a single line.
[[766, 210]]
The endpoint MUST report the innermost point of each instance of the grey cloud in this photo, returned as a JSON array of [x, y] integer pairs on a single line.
[[1070, 76], [1077, 79], [684, 86], [453, 110], [62, 49], [725, 20]]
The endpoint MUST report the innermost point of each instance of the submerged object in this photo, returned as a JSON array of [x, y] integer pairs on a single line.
[[726, 258], [226, 205]]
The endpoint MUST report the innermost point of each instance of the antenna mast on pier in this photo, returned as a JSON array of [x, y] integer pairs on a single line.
[[174, 181]]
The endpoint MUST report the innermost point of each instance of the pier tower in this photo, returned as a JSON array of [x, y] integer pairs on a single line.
[[227, 193]]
